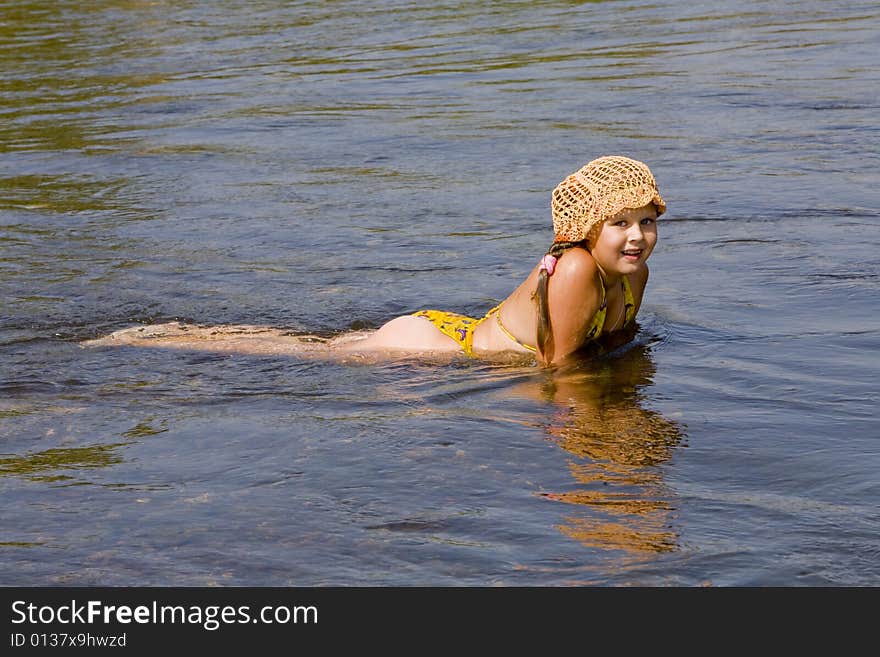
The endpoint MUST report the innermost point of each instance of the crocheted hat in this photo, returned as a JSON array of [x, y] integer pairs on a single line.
[[598, 190]]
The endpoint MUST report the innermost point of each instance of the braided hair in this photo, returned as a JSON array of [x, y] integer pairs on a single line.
[[545, 329]]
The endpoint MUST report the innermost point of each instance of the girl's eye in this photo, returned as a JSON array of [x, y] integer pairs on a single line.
[[647, 221], [622, 222]]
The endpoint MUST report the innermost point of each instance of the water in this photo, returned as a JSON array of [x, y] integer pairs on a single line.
[[325, 166]]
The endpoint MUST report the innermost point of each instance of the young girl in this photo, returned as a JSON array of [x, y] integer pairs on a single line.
[[587, 286], [586, 289]]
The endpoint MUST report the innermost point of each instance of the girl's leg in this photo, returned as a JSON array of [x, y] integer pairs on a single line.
[[245, 339], [403, 334]]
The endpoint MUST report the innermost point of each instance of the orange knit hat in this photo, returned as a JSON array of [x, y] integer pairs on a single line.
[[599, 190]]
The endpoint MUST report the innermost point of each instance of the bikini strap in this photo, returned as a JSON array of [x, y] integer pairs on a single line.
[[598, 322], [629, 302], [497, 312], [601, 285]]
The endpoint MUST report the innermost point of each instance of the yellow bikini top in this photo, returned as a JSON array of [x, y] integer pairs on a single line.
[[596, 325]]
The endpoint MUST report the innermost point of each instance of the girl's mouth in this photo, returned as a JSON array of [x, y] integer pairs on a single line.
[[632, 254]]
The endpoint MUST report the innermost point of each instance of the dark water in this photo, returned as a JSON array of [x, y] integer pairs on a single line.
[[323, 166]]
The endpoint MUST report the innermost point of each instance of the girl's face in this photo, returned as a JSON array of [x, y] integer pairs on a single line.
[[626, 240]]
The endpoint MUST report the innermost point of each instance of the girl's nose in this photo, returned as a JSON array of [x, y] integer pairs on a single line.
[[634, 234]]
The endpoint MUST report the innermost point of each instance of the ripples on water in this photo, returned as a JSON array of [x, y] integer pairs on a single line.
[[325, 166]]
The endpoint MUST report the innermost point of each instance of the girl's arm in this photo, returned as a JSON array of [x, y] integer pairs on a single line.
[[574, 294]]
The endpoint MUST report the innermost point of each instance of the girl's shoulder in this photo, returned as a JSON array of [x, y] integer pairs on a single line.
[[578, 257], [578, 268]]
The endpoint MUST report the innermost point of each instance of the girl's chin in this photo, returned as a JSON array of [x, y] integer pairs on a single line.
[[623, 265], [627, 265]]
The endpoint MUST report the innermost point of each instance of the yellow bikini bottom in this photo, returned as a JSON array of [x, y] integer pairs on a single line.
[[461, 327], [458, 327]]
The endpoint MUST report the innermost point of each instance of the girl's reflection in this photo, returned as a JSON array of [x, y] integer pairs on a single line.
[[617, 448]]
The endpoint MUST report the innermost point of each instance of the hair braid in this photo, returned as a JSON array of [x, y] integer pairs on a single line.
[[545, 329]]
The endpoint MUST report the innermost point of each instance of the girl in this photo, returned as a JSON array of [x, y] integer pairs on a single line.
[[587, 286], [586, 289]]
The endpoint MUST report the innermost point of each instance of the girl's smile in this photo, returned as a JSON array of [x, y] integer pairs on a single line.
[[633, 255]]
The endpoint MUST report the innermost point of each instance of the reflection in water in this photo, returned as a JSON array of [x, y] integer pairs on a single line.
[[68, 466], [47, 465], [617, 447]]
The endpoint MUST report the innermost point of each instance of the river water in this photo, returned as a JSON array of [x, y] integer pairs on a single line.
[[325, 166]]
